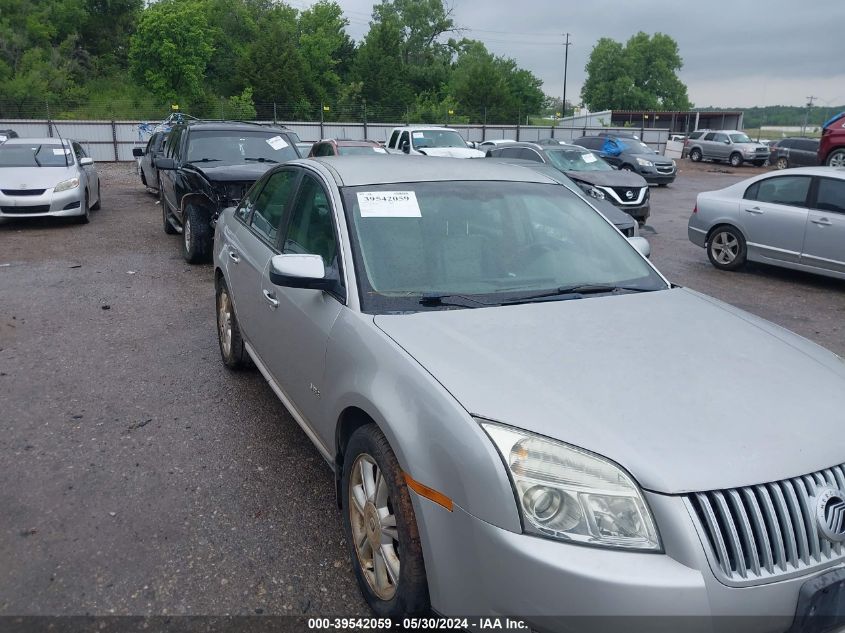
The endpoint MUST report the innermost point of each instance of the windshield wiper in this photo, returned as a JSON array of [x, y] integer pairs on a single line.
[[438, 300], [205, 160], [577, 291], [262, 160], [35, 156]]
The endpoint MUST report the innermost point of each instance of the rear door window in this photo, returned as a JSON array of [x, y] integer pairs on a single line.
[[786, 190], [831, 195], [530, 154], [710, 136]]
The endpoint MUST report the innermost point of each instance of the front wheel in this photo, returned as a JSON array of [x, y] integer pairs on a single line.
[[96, 206], [736, 160], [726, 248], [196, 235], [782, 163], [381, 528], [695, 155], [86, 214], [836, 158]]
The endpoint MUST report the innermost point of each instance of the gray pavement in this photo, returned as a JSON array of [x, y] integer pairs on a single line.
[[139, 476]]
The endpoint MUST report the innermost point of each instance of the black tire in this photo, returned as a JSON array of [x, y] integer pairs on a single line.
[[695, 155], [719, 244], [736, 159], [96, 207], [196, 234], [165, 213], [234, 354], [411, 590], [782, 163], [836, 158]]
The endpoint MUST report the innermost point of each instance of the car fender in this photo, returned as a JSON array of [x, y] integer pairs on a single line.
[[436, 441], [200, 199]]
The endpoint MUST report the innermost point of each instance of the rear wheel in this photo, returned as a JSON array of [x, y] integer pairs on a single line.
[[836, 158], [736, 159], [381, 528], [695, 155], [196, 234], [726, 248]]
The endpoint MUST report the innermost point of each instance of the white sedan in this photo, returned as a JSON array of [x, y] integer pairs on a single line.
[[793, 218], [47, 177]]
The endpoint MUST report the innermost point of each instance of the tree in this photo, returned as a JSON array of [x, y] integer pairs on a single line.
[[379, 64], [171, 49], [641, 75], [322, 43]]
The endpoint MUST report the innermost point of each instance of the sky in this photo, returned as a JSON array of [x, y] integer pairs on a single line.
[[737, 53]]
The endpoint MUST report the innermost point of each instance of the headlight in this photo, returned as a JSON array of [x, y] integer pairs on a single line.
[[570, 494], [591, 191], [644, 162], [674, 164], [73, 183]]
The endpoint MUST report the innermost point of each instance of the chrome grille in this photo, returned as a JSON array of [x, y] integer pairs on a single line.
[[766, 532]]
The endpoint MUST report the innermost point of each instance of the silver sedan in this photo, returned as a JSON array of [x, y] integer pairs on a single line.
[[793, 218], [47, 177], [446, 332]]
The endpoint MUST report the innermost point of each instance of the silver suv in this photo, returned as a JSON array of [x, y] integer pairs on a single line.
[[731, 145]]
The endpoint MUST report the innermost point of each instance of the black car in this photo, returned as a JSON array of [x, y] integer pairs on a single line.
[[5, 135], [630, 153], [208, 166], [147, 159], [794, 152], [625, 190]]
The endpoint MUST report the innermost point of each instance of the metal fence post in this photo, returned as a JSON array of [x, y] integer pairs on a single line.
[[484, 126], [49, 120], [274, 113], [366, 135], [322, 136], [518, 117], [114, 140]]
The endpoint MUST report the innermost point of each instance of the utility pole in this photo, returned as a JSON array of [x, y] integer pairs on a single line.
[[807, 114], [565, 65]]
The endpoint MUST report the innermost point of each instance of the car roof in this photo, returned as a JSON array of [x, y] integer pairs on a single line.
[[346, 142], [232, 125], [354, 171], [425, 127], [836, 172], [547, 148], [46, 140]]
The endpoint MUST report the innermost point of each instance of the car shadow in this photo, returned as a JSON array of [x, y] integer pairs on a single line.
[[44, 222], [787, 275]]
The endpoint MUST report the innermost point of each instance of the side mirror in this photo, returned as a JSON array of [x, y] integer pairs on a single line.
[[642, 246], [300, 271], [727, 141], [165, 163], [86, 161], [406, 147], [137, 152]]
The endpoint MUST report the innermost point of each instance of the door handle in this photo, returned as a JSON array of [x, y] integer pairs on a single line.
[[271, 299], [233, 255], [755, 210], [821, 222]]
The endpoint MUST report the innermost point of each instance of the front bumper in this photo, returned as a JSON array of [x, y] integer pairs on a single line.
[[64, 203], [658, 175], [477, 569]]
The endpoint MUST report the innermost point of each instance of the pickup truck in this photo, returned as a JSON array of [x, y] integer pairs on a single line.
[[428, 140]]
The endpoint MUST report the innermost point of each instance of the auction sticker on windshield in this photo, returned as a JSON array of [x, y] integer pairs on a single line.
[[589, 158], [388, 204], [277, 142]]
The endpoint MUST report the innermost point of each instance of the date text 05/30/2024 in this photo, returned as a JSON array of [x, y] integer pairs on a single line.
[[430, 624]]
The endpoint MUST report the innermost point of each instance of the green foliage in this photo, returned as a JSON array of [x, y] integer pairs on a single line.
[[641, 75], [172, 48], [241, 107]]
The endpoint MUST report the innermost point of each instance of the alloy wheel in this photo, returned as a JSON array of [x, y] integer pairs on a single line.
[[186, 233], [374, 531], [224, 321], [725, 247], [837, 159], [782, 164]]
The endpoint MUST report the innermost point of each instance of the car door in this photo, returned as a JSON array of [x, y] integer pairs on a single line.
[[250, 242], [92, 181], [824, 238], [167, 177], [774, 215], [808, 150], [147, 160], [720, 148], [296, 322]]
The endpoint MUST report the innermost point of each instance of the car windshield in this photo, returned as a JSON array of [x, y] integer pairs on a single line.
[[436, 138], [740, 138], [576, 160], [487, 242], [34, 155], [225, 147], [356, 150]]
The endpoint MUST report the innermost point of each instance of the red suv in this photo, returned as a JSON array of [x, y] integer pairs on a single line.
[[832, 145]]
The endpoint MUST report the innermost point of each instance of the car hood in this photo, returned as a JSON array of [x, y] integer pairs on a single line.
[[657, 159], [35, 177], [691, 395], [227, 173], [613, 178], [452, 152]]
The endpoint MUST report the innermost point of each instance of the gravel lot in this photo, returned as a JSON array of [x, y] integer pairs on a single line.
[[138, 476]]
